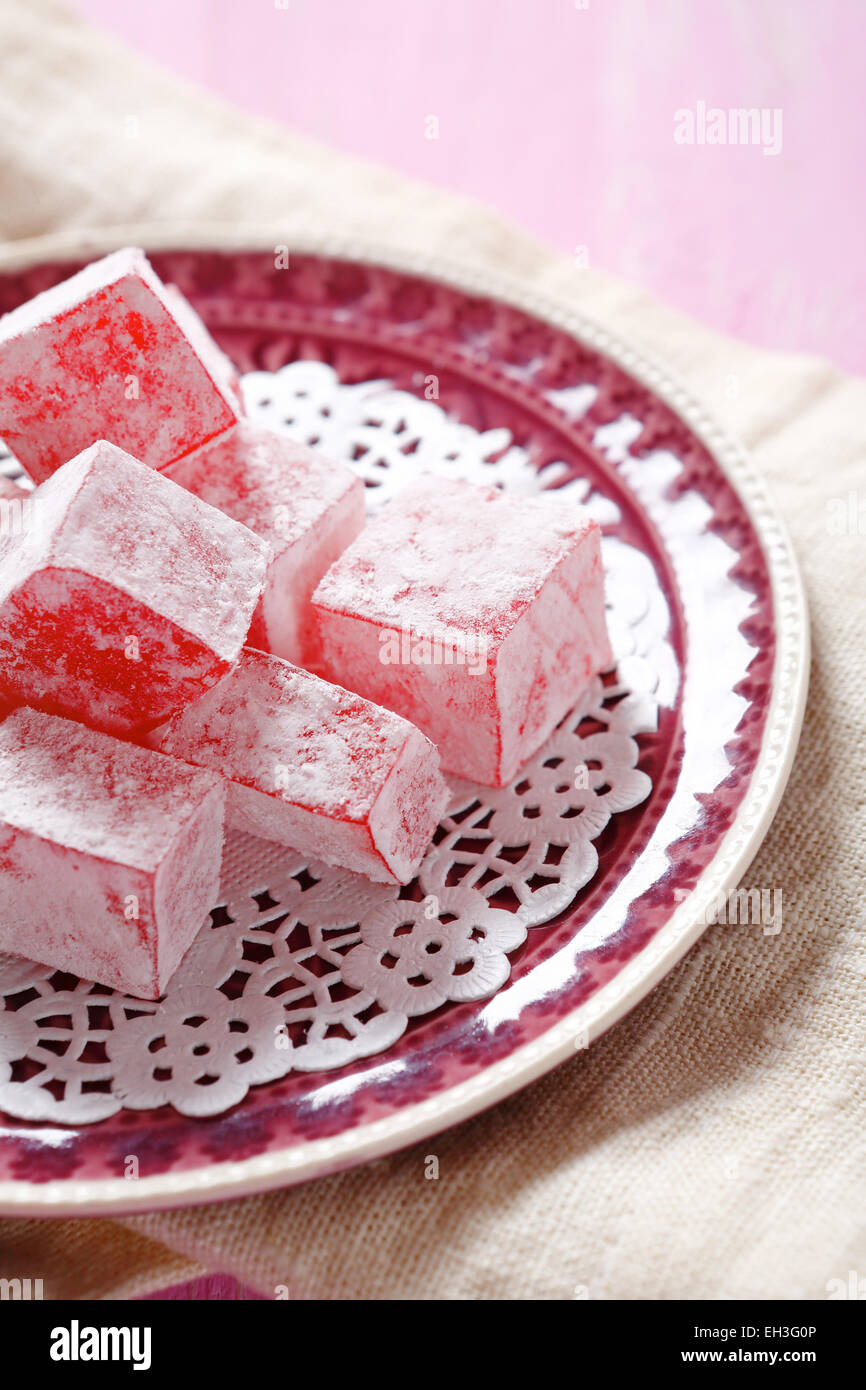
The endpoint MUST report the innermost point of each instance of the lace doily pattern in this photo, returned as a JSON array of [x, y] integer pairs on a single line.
[[307, 968]]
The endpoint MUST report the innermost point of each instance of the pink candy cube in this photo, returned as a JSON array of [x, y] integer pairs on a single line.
[[111, 354], [306, 506], [126, 597], [314, 767], [477, 615], [110, 854]]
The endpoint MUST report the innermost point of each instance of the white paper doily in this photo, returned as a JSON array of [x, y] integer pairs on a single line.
[[305, 967]]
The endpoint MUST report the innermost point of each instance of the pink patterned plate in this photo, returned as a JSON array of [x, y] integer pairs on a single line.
[[460, 371]]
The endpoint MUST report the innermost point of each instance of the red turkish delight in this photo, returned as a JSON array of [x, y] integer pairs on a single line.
[[314, 767], [126, 598], [109, 853], [476, 614], [306, 506], [111, 354]]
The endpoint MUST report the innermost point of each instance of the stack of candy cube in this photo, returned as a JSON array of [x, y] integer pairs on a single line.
[[198, 629]]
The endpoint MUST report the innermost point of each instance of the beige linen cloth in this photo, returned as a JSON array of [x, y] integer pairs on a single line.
[[712, 1144]]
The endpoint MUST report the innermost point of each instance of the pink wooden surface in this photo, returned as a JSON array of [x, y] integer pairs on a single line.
[[561, 114]]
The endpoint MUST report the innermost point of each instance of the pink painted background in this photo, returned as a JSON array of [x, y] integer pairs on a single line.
[[560, 113]]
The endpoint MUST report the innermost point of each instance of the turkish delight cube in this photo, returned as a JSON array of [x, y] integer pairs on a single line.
[[307, 507], [126, 597], [476, 614], [109, 354], [314, 767], [110, 853]]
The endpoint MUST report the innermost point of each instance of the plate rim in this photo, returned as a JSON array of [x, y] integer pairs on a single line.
[[222, 1180]]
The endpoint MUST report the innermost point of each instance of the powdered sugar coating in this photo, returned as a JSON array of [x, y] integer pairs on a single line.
[[450, 558], [132, 527], [109, 853], [477, 615], [92, 792], [273, 484], [219, 366], [307, 507], [76, 290], [315, 762], [105, 354], [127, 596]]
